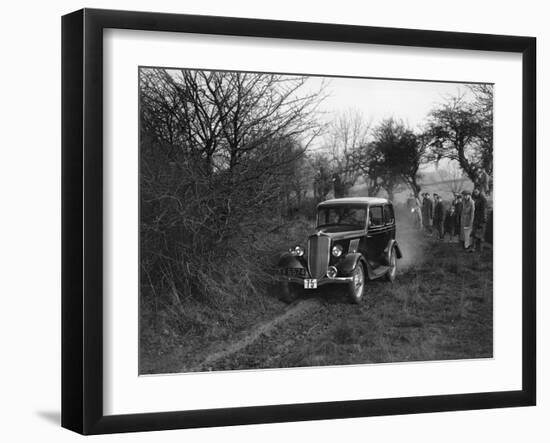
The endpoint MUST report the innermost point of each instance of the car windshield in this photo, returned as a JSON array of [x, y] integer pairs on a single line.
[[353, 217]]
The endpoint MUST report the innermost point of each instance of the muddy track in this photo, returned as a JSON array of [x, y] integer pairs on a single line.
[[265, 329], [433, 311], [300, 324], [283, 338]]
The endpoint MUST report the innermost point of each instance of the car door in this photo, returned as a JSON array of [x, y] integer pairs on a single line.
[[376, 235], [389, 221]]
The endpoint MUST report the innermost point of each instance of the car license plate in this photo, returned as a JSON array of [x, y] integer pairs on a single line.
[[294, 272], [310, 283]]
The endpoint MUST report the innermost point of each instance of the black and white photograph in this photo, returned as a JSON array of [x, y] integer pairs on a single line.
[[290, 220], [271, 222]]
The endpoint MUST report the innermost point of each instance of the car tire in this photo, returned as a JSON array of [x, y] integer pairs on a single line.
[[356, 288], [392, 272], [290, 292]]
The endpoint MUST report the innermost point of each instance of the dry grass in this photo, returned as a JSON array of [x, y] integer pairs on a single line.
[[440, 308], [241, 292]]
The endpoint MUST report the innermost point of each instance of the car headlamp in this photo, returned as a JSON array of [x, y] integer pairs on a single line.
[[297, 251], [337, 250]]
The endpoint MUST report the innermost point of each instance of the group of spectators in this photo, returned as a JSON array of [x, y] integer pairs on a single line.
[[465, 218]]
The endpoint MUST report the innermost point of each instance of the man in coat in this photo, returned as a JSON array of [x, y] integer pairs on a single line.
[[414, 207], [411, 202], [467, 219], [484, 181], [427, 212], [458, 214], [449, 225], [439, 216], [480, 219]]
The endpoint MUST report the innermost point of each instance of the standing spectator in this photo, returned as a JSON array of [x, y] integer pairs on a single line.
[[414, 207], [439, 216], [338, 186], [418, 214], [449, 225], [480, 219], [411, 202], [322, 183], [458, 213], [467, 219], [483, 180], [427, 212]]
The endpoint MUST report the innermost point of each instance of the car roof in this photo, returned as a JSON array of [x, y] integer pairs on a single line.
[[354, 201]]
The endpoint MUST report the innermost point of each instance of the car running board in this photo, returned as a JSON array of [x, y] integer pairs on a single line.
[[379, 272]]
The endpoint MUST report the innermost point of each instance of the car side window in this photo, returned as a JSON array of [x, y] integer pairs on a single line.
[[375, 216], [388, 214]]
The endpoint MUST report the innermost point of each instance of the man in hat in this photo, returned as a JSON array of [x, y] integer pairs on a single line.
[[467, 219], [483, 181], [414, 207], [480, 219], [439, 216], [410, 202], [427, 212], [449, 225], [458, 214]]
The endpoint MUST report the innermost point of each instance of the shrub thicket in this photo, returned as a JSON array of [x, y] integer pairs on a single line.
[[222, 168]]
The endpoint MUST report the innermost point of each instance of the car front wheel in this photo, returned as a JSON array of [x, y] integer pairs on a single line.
[[356, 287]]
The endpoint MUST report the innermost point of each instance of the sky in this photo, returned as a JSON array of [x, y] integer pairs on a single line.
[[377, 99]]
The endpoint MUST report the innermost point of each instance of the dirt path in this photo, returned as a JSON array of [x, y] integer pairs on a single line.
[[439, 308], [292, 312]]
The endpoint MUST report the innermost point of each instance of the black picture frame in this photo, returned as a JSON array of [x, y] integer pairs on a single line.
[[82, 216]]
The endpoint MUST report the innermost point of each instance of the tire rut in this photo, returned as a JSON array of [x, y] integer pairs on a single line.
[[229, 349]]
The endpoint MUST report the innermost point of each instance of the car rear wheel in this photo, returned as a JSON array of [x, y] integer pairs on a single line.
[[392, 271], [356, 287]]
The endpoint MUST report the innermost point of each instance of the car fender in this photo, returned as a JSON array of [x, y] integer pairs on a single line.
[[347, 264], [288, 260], [392, 244]]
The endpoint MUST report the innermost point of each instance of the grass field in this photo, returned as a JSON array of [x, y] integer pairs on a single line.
[[439, 308]]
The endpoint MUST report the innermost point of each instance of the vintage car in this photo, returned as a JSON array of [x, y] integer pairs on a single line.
[[354, 241]]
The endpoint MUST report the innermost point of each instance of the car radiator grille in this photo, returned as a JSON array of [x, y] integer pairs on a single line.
[[318, 255]]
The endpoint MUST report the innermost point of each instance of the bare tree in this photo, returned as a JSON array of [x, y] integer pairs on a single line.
[[461, 130], [219, 159], [346, 135], [484, 105], [178, 112], [410, 155], [254, 108]]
